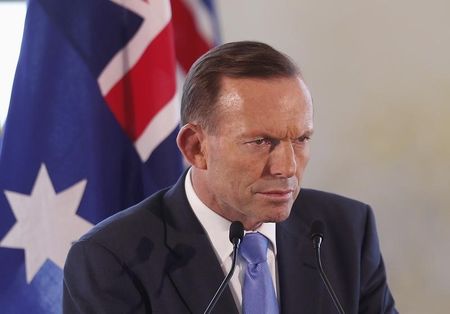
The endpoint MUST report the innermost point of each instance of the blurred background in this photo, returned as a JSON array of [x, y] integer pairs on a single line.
[[379, 73]]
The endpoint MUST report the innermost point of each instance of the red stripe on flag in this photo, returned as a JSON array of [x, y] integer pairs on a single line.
[[147, 87], [189, 43]]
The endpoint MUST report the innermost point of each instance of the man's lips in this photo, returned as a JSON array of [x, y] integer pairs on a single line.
[[277, 194]]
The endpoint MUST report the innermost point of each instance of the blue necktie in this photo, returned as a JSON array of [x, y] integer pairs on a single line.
[[258, 295]]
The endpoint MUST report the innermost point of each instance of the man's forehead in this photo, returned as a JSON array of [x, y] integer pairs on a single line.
[[254, 105], [233, 91], [226, 80]]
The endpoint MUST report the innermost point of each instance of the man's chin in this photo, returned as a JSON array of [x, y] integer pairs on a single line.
[[279, 215]]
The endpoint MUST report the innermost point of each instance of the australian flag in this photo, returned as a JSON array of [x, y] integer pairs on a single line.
[[91, 128]]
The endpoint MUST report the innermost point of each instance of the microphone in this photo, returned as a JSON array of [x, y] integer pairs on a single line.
[[236, 235], [317, 235]]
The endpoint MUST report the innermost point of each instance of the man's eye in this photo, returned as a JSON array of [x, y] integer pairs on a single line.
[[262, 141], [303, 139]]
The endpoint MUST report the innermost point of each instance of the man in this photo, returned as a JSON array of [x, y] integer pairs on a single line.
[[247, 119]]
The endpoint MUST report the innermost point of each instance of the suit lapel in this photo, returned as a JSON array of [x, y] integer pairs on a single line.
[[192, 265], [301, 289]]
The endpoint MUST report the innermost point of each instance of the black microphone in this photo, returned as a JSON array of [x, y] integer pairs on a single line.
[[236, 235], [317, 235]]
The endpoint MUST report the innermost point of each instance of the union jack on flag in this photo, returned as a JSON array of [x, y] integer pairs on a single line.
[[91, 128]]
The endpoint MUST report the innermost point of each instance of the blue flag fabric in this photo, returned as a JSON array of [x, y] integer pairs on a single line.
[[66, 163]]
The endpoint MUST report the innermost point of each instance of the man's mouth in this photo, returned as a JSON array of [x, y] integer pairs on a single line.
[[280, 195]]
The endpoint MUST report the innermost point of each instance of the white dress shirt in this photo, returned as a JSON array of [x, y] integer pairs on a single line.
[[217, 229]]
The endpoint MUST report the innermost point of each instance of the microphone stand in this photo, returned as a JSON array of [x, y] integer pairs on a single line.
[[317, 236], [224, 283]]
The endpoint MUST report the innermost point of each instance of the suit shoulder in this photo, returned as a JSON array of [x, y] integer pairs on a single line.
[[135, 220], [322, 197], [330, 207]]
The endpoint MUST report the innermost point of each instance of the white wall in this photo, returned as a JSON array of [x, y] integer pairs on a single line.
[[12, 16], [379, 72]]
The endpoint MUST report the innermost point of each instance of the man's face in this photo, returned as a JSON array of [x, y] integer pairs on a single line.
[[256, 157]]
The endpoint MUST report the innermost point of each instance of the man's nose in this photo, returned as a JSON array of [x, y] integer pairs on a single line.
[[282, 160]]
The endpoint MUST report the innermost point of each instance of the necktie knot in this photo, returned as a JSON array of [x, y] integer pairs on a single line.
[[254, 248]]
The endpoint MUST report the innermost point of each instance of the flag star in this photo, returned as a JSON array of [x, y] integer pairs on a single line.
[[47, 222]]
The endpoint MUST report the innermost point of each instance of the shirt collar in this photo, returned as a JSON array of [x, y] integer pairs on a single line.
[[217, 227]]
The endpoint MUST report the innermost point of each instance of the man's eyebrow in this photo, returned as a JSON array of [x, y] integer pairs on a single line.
[[308, 132]]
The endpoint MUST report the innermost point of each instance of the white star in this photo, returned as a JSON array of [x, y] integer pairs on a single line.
[[46, 224]]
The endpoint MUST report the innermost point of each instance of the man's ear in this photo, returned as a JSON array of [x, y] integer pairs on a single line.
[[190, 141]]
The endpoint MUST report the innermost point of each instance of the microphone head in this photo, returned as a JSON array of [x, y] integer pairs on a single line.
[[236, 231], [317, 229]]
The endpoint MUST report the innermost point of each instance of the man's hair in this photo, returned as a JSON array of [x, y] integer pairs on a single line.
[[243, 59]]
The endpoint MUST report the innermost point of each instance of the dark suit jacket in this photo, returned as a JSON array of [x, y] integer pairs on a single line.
[[156, 258]]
